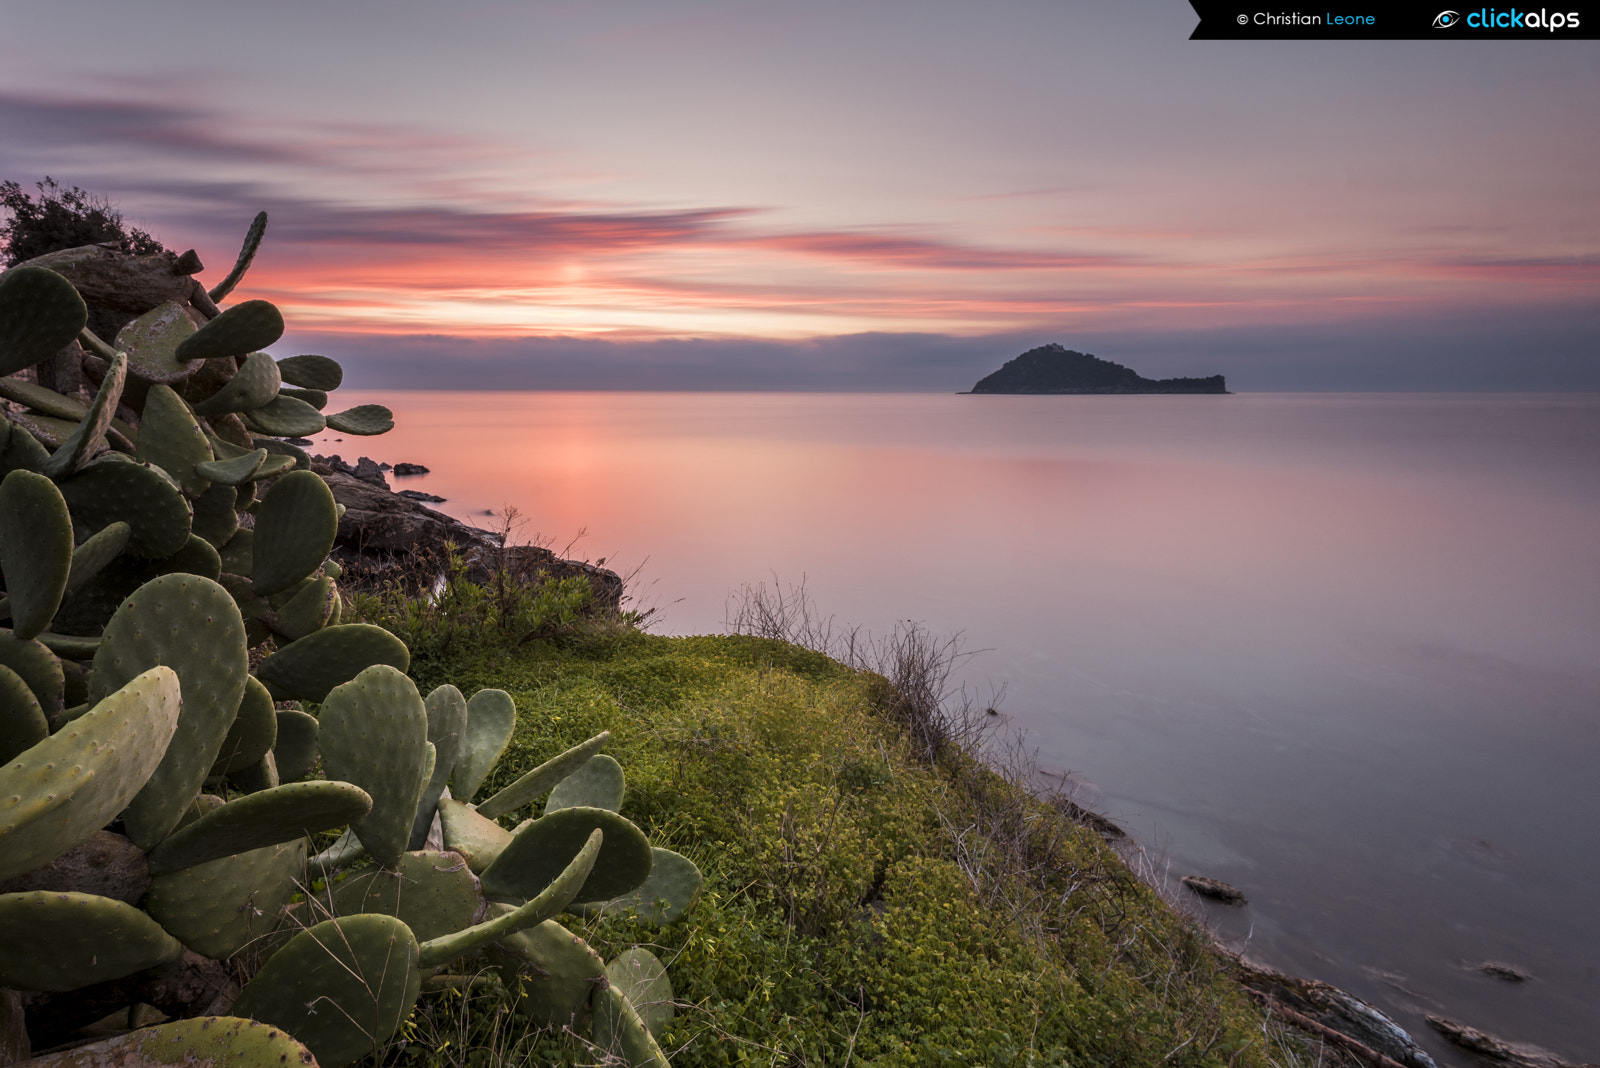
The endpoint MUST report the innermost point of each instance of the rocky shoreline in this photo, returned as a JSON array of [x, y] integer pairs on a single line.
[[384, 535]]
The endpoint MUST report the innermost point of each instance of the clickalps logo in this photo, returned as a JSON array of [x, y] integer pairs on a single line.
[[1489, 18]]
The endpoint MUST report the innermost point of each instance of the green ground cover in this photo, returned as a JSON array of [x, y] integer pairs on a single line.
[[862, 906]]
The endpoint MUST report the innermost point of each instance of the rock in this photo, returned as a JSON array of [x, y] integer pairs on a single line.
[[107, 865], [121, 281], [418, 495], [534, 564], [1088, 817], [191, 986], [1215, 889], [1335, 1009], [382, 524], [387, 536], [63, 371], [1508, 972], [1495, 1050], [368, 470], [410, 469]]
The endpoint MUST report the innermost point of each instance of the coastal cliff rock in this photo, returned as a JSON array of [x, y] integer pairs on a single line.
[[384, 536], [1325, 1010], [1053, 369]]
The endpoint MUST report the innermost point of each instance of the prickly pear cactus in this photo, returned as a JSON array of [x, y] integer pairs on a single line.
[[168, 600]]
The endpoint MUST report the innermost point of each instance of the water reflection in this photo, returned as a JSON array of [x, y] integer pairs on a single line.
[[1336, 650]]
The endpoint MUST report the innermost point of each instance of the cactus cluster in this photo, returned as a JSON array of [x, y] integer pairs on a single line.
[[171, 602]]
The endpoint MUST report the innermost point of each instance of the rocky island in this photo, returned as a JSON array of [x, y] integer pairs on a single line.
[[1053, 369]]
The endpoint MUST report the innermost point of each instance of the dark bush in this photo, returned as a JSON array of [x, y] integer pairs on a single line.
[[63, 217]]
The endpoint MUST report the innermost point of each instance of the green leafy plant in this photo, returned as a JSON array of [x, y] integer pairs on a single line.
[[177, 656]]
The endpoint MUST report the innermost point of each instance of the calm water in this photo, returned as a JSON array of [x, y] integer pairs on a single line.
[[1337, 650]]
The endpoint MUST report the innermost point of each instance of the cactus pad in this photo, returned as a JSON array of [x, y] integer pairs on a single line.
[[47, 430], [286, 417], [640, 977], [35, 549], [43, 400], [23, 723], [98, 550], [340, 987], [262, 775], [243, 328], [670, 892], [433, 893], [88, 437], [267, 817], [491, 717], [215, 517], [59, 792], [106, 491], [542, 778], [219, 907], [475, 838], [541, 849], [151, 342], [254, 730], [312, 372], [447, 724], [374, 734], [202, 804], [247, 253], [296, 748], [23, 451], [308, 610], [197, 557], [70, 646], [565, 971], [40, 313], [598, 784], [296, 523], [191, 625], [59, 940], [37, 667], [255, 384], [620, 1033], [170, 438], [231, 472], [317, 398], [363, 420], [204, 1040], [238, 553], [555, 897], [309, 668]]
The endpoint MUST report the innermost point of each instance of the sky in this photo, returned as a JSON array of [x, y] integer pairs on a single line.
[[676, 194]]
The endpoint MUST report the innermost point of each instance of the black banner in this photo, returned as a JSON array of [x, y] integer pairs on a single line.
[[1392, 20]]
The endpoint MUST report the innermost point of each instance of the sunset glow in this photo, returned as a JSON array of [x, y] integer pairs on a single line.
[[1081, 174]]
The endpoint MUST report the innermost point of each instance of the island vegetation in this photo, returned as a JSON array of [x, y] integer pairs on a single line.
[[1054, 369]]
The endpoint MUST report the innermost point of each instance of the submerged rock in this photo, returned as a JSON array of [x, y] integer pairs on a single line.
[[1496, 1050], [1215, 889]]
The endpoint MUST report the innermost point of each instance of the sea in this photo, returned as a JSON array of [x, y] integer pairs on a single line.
[[1337, 650]]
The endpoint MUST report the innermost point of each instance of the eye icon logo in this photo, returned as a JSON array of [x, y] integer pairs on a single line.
[[1446, 19]]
